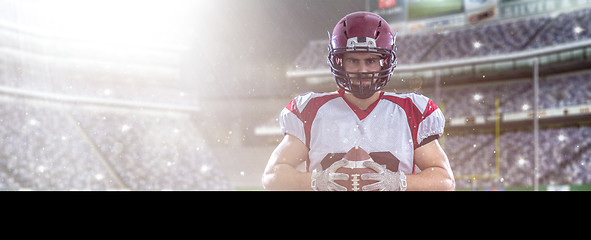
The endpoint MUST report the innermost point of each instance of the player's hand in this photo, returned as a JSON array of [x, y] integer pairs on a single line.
[[387, 180], [324, 180]]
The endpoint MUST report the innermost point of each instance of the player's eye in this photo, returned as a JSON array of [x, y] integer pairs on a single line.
[[351, 61], [372, 61]]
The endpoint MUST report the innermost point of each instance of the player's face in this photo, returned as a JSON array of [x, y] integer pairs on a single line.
[[361, 63]]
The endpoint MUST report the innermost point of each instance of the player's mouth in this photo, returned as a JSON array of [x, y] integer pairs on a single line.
[[363, 82]]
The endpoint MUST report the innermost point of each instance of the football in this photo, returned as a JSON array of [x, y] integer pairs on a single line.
[[355, 168]]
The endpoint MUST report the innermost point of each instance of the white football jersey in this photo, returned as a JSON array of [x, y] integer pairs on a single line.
[[389, 130]]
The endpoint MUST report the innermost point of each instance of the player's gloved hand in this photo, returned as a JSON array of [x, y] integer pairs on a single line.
[[324, 180], [387, 180]]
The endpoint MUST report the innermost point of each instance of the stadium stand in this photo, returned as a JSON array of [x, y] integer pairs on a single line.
[[57, 146], [478, 100], [494, 38], [565, 156], [38, 152]]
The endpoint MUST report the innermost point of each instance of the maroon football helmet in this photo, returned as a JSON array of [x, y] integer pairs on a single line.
[[362, 32]]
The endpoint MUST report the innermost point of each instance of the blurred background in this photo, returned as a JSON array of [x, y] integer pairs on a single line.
[[184, 95]]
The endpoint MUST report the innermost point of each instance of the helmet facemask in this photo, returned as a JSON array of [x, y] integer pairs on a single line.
[[361, 84]]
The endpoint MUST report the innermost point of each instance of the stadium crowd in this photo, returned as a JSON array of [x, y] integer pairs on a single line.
[[565, 157], [479, 100], [485, 39], [48, 146]]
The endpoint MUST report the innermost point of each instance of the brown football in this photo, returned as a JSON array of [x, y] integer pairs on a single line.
[[354, 169]]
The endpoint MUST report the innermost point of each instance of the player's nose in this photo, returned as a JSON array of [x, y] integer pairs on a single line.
[[363, 67]]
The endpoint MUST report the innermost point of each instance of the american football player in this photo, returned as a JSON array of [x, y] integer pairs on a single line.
[[399, 131]]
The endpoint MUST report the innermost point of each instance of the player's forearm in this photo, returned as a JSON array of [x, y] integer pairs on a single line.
[[431, 179], [285, 177]]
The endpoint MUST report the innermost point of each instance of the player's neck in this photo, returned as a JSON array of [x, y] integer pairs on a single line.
[[362, 104]]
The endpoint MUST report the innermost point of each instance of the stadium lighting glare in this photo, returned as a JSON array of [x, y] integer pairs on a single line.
[[477, 45], [128, 23], [525, 107], [125, 128], [34, 122], [521, 161], [99, 176], [204, 168], [578, 30], [477, 97]]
